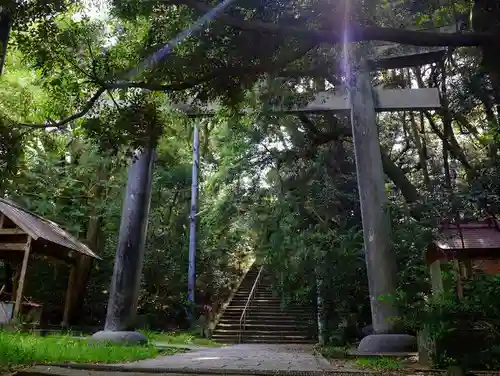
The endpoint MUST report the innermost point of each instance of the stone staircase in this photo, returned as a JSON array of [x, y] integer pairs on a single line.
[[266, 321]]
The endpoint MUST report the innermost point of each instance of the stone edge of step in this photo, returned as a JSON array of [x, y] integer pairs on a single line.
[[64, 367]]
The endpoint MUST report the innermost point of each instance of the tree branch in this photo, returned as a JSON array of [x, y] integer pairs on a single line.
[[450, 142], [357, 33], [88, 106], [308, 124], [393, 171]]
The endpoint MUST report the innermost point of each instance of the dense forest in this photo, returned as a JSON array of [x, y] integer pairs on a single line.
[[280, 188]]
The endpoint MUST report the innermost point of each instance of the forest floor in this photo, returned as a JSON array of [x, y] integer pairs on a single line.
[[339, 358]]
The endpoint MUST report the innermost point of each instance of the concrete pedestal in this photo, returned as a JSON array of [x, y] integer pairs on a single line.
[[120, 337]]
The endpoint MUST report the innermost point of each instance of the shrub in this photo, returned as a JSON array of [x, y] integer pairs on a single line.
[[465, 332]]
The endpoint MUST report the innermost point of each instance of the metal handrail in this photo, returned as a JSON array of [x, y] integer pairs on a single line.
[[250, 297]]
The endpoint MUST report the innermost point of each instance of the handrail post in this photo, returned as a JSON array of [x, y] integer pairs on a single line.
[[249, 299]]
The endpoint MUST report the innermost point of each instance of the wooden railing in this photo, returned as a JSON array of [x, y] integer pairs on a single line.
[[247, 305]]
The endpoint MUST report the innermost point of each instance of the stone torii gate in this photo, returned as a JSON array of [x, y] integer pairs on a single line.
[[363, 101]]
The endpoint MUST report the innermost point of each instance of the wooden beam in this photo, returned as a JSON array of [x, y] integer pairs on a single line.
[[22, 277], [396, 50], [407, 60], [2, 219], [13, 246], [386, 100], [52, 259], [11, 231]]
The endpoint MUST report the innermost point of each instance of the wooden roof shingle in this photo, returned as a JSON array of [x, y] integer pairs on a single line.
[[39, 227]]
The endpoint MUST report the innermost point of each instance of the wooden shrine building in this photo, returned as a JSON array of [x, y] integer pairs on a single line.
[[25, 236], [470, 246]]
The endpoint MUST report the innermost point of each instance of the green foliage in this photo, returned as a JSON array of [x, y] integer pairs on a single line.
[[18, 349], [464, 331], [281, 187], [379, 363], [179, 338], [76, 178], [333, 352]]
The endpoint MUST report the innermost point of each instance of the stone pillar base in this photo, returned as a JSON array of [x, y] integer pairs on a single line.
[[122, 338], [387, 344]]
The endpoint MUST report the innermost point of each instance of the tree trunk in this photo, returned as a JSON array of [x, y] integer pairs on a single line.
[[399, 178], [447, 127], [320, 303], [492, 123], [422, 154], [5, 26], [451, 142], [485, 18]]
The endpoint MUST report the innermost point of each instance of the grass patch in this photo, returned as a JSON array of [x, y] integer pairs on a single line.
[[379, 363], [332, 352], [179, 338], [19, 349]]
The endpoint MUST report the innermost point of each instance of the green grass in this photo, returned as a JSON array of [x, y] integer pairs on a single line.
[[18, 349], [179, 338], [379, 363], [332, 352]]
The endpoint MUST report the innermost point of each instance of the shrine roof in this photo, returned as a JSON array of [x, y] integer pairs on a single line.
[[39, 227], [479, 239]]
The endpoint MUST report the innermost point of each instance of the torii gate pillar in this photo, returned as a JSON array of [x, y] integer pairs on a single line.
[[380, 260]]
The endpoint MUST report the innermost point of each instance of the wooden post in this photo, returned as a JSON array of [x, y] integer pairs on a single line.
[[468, 271], [458, 270], [436, 280], [81, 277], [68, 301], [15, 280], [22, 277], [380, 259]]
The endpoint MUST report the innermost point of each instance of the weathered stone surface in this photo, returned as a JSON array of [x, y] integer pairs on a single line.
[[237, 360], [367, 330], [388, 343], [381, 268], [247, 356], [120, 337], [124, 290]]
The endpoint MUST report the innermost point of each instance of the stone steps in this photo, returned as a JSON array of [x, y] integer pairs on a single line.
[[265, 331], [266, 320], [277, 309], [263, 339], [256, 324]]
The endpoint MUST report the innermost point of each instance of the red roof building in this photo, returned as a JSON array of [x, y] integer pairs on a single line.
[[472, 246]]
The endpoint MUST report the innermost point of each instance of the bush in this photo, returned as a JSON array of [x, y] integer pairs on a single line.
[[465, 332]]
